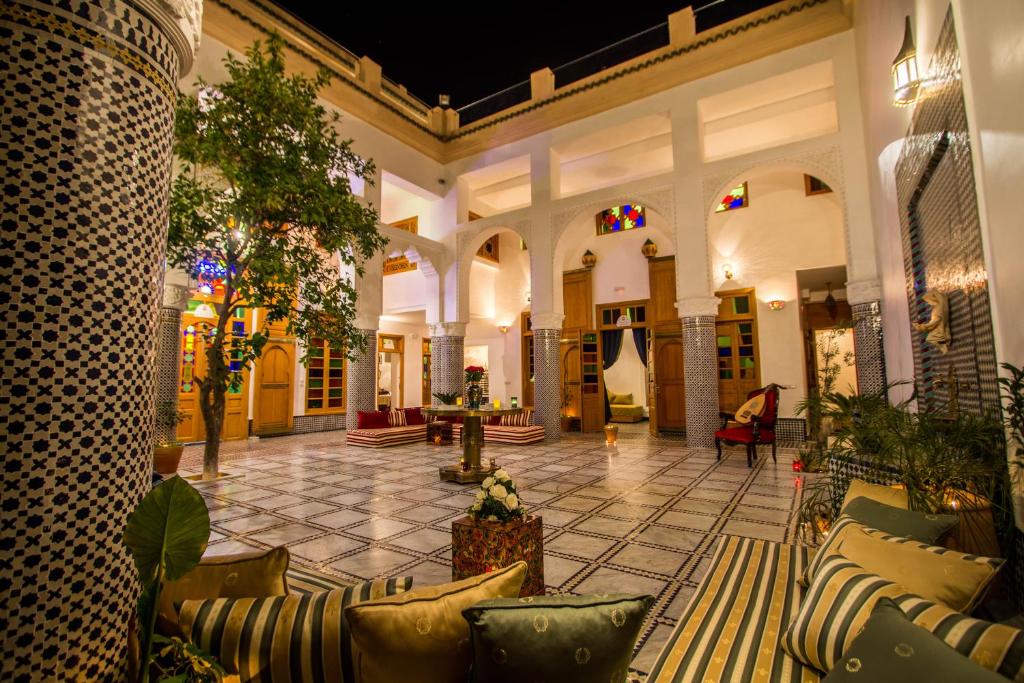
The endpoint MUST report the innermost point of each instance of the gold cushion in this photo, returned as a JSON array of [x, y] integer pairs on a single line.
[[954, 579], [259, 574], [421, 635], [890, 495]]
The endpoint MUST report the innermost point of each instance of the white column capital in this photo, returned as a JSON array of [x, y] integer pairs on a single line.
[[364, 321], [448, 330], [863, 291], [176, 296], [698, 305], [546, 321], [182, 21]]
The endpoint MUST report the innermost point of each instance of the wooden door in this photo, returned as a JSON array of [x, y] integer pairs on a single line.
[[591, 382], [526, 326], [662, 308], [738, 372], [652, 385], [236, 408], [571, 362], [577, 299], [671, 396], [272, 403]]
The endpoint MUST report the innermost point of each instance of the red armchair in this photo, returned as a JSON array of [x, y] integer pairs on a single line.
[[761, 429]]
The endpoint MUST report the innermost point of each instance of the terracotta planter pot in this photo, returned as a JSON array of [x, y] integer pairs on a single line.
[[480, 546], [167, 458]]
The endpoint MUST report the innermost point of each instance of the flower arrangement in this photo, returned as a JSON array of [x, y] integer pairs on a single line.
[[474, 373], [497, 500]]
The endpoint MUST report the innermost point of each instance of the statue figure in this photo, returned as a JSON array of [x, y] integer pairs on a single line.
[[937, 327]]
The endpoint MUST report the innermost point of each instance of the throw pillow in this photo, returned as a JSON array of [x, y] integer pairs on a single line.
[[892, 649], [414, 416], [371, 419], [421, 635], [523, 419], [839, 602], [890, 495], [258, 574], [955, 579], [396, 418], [920, 526], [566, 638], [302, 638]]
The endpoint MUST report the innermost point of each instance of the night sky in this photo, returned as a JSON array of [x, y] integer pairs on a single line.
[[473, 50]]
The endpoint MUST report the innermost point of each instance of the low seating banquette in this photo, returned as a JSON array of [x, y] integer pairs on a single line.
[[510, 429], [380, 428], [623, 409]]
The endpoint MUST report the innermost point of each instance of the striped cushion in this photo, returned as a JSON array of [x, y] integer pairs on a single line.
[[302, 581], [841, 598], [515, 435], [730, 630], [523, 419], [388, 436], [841, 528], [396, 418], [285, 638]]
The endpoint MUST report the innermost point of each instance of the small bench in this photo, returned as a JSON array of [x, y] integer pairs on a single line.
[[506, 434], [382, 437]]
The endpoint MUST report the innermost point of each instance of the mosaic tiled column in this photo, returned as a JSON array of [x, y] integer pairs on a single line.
[[88, 91], [447, 359], [168, 353], [547, 392], [361, 381], [700, 369], [866, 314]]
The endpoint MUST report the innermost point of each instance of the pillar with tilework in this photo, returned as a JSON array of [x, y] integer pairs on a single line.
[[700, 370], [361, 378], [447, 359], [866, 311], [168, 351], [85, 132], [547, 392]]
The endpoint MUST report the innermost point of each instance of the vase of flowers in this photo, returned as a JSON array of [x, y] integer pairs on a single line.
[[497, 532], [474, 394]]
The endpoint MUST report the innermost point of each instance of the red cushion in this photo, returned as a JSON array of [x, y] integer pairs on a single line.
[[414, 416], [372, 419], [745, 435], [494, 421]]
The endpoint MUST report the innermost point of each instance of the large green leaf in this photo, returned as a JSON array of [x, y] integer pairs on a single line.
[[170, 527]]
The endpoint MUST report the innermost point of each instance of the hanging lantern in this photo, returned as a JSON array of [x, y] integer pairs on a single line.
[[831, 305], [589, 259], [649, 249], [905, 80]]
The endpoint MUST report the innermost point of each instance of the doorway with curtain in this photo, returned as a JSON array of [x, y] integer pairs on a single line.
[[623, 328]]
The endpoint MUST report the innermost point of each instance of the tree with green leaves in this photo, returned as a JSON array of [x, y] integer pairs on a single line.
[[263, 215]]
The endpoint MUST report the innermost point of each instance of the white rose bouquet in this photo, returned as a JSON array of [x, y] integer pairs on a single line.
[[497, 500]]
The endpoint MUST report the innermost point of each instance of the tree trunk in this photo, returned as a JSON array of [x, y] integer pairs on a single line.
[[212, 401]]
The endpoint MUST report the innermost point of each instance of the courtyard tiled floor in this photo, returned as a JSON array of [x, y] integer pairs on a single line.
[[642, 517]]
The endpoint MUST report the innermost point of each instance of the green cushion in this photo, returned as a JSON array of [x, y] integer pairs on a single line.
[[892, 649], [563, 638], [301, 638], [621, 399], [919, 526]]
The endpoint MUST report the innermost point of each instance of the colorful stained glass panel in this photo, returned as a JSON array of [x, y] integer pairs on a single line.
[[621, 218], [736, 199]]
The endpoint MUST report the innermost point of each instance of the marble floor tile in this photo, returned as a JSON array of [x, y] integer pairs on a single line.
[[735, 527], [423, 540], [673, 538], [558, 570], [611, 580], [324, 547], [372, 563], [687, 520], [283, 535], [655, 560], [608, 526], [579, 545], [378, 528], [244, 525], [307, 509]]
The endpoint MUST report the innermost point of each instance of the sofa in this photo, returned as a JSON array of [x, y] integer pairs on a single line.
[[623, 408], [507, 429], [385, 428]]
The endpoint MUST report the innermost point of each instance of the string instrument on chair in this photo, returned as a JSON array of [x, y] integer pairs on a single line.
[[751, 409]]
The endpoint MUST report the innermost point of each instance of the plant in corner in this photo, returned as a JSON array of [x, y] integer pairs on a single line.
[[261, 213], [166, 536], [166, 447]]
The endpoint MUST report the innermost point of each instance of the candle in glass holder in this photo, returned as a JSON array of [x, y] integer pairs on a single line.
[[497, 404], [515, 401], [458, 401]]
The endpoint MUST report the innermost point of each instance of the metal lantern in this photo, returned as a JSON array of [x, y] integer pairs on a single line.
[[905, 80], [649, 249], [589, 259]]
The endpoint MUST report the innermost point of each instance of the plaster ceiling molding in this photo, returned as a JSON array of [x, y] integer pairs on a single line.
[[658, 199], [182, 21]]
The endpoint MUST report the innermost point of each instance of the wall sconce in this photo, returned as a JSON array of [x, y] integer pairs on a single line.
[[727, 271], [589, 259], [649, 249], [444, 101], [906, 83], [776, 304], [503, 329]]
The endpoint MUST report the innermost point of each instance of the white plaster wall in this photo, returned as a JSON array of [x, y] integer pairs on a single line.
[[405, 292], [628, 375], [780, 232]]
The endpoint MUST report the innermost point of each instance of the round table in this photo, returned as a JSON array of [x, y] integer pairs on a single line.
[[470, 470]]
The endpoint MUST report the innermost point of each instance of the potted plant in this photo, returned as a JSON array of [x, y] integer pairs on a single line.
[[474, 394], [497, 532], [447, 398], [167, 535], [1012, 392], [167, 449]]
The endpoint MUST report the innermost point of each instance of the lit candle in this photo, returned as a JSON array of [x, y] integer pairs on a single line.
[[458, 401], [497, 404]]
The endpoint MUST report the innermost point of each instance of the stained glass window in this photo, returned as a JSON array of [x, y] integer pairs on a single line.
[[188, 359], [210, 275], [736, 199], [620, 218]]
